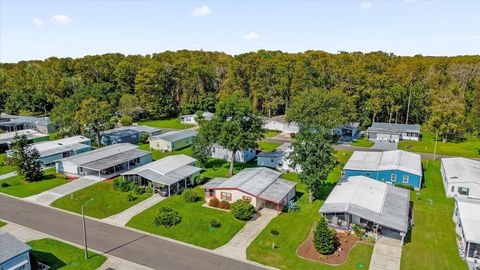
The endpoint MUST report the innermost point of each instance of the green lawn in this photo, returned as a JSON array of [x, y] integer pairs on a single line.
[[59, 255], [158, 154], [468, 148], [5, 169], [106, 201], [165, 123], [2, 223], [195, 225], [294, 229], [270, 133], [362, 143], [267, 146], [432, 245], [219, 168], [17, 186]]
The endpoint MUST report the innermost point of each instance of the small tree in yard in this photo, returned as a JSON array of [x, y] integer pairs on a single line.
[[167, 217], [190, 195], [201, 148], [242, 210], [323, 238], [26, 159]]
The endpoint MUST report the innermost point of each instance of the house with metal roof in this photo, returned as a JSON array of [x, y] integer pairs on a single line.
[[51, 151], [467, 223], [128, 134], [106, 162], [166, 176], [14, 254], [242, 156], [461, 177], [278, 159], [10, 123], [280, 123], [173, 140], [374, 206], [191, 119], [33, 136], [393, 132], [394, 167], [262, 187]]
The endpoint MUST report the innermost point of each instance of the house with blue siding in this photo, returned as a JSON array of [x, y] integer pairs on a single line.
[[128, 134], [394, 167], [14, 254]]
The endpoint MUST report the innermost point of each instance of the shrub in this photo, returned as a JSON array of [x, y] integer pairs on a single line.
[[215, 223], [405, 186], [274, 232], [167, 217], [121, 185], [213, 202], [144, 138], [5, 184], [137, 189], [357, 230], [323, 239], [131, 197], [61, 176], [148, 190], [126, 121], [224, 205], [190, 195], [291, 206], [243, 210]]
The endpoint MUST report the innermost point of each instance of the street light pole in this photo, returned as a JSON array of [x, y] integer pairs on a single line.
[[435, 148], [85, 229]]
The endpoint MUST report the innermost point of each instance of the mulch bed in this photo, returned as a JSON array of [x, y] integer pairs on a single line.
[[307, 250]]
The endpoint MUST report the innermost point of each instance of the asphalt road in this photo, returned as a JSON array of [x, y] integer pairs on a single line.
[[123, 243]]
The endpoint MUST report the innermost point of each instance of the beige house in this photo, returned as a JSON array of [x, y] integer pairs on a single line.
[[262, 187], [172, 140]]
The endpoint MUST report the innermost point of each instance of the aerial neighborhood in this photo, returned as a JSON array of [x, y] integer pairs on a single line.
[[231, 156]]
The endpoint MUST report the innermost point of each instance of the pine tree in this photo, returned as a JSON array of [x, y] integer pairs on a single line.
[[26, 159], [323, 238]]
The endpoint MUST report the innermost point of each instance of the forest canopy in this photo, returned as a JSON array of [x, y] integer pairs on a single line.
[[444, 92]]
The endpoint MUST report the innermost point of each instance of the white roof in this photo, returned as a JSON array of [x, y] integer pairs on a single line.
[[469, 210], [461, 170], [387, 160], [174, 136], [30, 133], [361, 191], [51, 147], [107, 152]]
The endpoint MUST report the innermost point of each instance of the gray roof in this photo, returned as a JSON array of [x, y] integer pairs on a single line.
[[262, 182], [372, 200], [106, 156], [167, 170], [30, 133], [129, 130], [11, 247], [6, 119], [174, 136], [379, 127]]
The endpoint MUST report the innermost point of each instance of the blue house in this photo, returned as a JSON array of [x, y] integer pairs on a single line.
[[129, 134], [395, 167], [14, 254]]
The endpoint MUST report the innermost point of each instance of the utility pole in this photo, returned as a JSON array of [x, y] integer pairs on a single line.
[[408, 106], [85, 229], [435, 147]]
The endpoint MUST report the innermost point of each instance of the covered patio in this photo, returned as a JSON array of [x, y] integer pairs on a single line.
[[114, 165]]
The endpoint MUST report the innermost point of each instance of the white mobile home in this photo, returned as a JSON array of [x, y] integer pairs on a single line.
[[191, 119], [172, 140], [279, 123], [461, 177], [393, 132], [105, 162], [467, 223], [244, 156], [278, 159]]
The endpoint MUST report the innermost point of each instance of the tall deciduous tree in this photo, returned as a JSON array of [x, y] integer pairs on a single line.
[[235, 126], [312, 151], [128, 106], [93, 116], [26, 159]]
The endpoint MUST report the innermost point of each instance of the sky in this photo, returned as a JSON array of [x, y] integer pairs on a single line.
[[41, 29]]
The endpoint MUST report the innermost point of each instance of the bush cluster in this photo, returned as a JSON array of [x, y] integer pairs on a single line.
[[61, 176], [215, 223], [214, 202], [125, 186], [224, 205], [243, 210], [191, 196], [167, 217]]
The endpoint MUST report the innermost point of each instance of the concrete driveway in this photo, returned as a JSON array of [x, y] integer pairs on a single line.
[[237, 246], [49, 196], [385, 145], [122, 218], [387, 254]]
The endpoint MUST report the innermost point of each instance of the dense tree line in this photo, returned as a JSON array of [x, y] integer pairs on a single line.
[[444, 92]]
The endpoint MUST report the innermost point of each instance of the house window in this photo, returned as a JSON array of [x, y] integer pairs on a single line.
[[271, 160], [463, 191], [394, 178], [226, 196], [246, 198], [405, 179], [453, 188]]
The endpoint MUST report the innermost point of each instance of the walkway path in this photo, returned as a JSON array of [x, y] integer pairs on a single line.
[[49, 196], [25, 234], [8, 175], [387, 254], [122, 218], [237, 246]]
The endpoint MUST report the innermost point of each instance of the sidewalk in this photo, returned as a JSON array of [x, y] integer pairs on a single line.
[[49, 196], [387, 254], [8, 175], [237, 246], [26, 234], [122, 218]]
